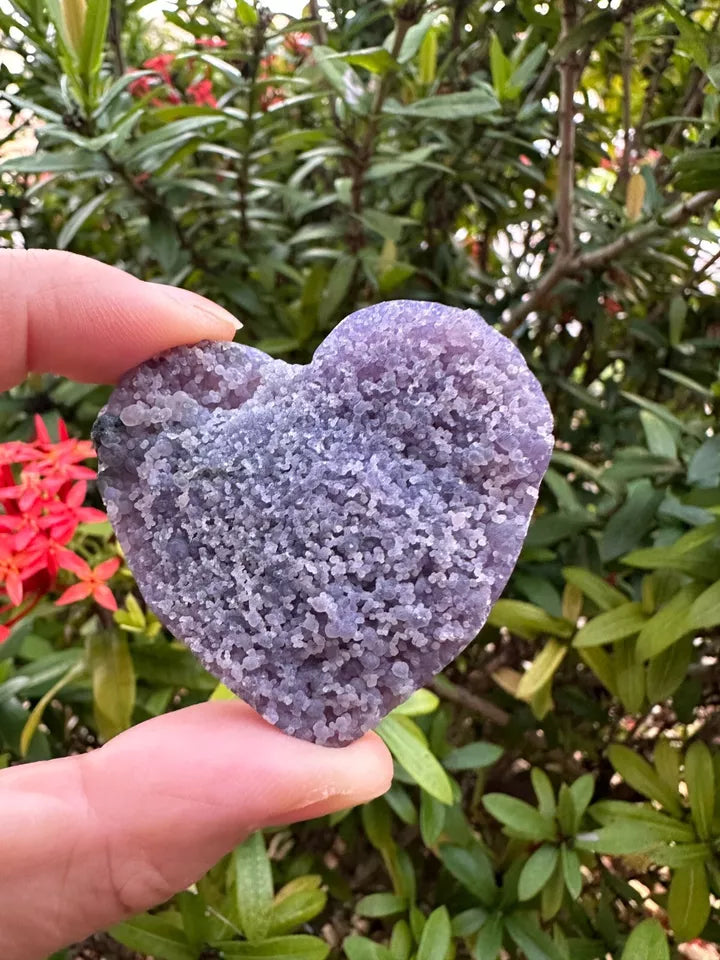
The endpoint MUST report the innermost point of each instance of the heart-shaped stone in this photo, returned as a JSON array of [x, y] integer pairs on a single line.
[[326, 538]]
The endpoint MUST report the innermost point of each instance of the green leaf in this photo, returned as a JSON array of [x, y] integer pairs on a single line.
[[572, 873], [633, 520], [414, 37], [400, 803], [681, 854], [669, 624], [473, 756], [113, 682], [33, 721], [551, 528], [97, 15], [700, 780], [704, 468], [527, 620], [478, 103], [70, 161], [148, 934], [659, 437], [432, 819], [667, 671], [639, 775], [295, 909], [401, 941], [594, 587], [544, 792], [689, 901], [337, 287], [472, 868], [435, 940], [552, 894], [361, 948], [534, 942], [374, 59], [380, 905], [253, 886], [647, 941], [296, 947], [665, 828], [519, 818], [541, 670], [705, 611], [419, 703], [537, 871], [610, 627], [401, 737], [490, 938], [581, 792], [500, 66], [566, 813], [693, 38], [468, 922], [666, 760], [427, 66], [78, 218]]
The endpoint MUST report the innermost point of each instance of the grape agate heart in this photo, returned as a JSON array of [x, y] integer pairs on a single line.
[[326, 538]]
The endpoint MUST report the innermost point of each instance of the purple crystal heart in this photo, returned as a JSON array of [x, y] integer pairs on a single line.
[[326, 538]]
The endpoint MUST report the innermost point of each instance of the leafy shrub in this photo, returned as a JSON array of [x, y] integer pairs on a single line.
[[557, 792]]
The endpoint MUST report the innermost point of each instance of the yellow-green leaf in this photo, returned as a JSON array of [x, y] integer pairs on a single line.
[[705, 611], [669, 624], [428, 57], [689, 901], [33, 721], [700, 780], [253, 886], [639, 775], [527, 620], [610, 627], [542, 669], [407, 744], [595, 588], [113, 682], [647, 942], [667, 759]]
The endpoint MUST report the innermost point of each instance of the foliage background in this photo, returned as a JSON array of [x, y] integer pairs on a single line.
[[555, 166]]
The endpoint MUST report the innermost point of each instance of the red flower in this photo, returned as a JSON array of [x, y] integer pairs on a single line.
[[14, 568], [92, 582], [270, 96], [161, 65], [4, 633], [298, 43], [201, 93], [612, 306], [525, 160], [141, 86], [210, 42]]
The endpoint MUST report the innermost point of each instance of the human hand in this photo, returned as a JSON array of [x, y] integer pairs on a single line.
[[94, 838]]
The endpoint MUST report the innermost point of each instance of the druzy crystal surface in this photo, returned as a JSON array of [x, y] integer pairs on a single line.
[[326, 538]]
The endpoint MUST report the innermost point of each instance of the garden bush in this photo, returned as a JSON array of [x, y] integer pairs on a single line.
[[552, 165]]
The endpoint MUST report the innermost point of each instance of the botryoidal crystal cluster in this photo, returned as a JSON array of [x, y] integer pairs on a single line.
[[326, 538]]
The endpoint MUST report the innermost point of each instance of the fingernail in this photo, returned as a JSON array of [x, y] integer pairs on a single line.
[[200, 304]]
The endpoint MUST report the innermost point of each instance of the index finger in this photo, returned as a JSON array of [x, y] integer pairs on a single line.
[[67, 314]]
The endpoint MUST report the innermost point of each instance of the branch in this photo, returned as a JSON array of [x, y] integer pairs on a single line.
[[455, 694], [566, 158], [598, 258], [673, 217]]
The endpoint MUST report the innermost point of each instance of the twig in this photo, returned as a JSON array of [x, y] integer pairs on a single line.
[[595, 259], [566, 157], [458, 695], [318, 28]]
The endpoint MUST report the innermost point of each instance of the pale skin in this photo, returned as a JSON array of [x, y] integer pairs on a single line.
[[92, 839]]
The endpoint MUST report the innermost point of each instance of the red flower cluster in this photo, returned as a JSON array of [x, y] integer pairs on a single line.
[[200, 92], [299, 44], [42, 491]]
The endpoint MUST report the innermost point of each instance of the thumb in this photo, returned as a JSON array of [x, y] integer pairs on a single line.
[[105, 835]]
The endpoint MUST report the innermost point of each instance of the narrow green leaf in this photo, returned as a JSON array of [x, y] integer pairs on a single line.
[[537, 871], [542, 669], [689, 901], [472, 868], [647, 941], [527, 620], [666, 758], [400, 735], [148, 934], [253, 886], [705, 611], [669, 624], [490, 938], [610, 627], [299, 946], [581, 791], [534, 942], [473, 756], [33, 721], [380, 905], [638, 774], [700, 780], [432, 819], [419, 703], [572, 873], [518, 817], [113, 682], [295, 909], [435, 940], [544, 792], [667, 671]]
